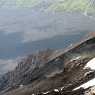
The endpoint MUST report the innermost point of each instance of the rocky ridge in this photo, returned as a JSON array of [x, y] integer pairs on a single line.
[[53, 73]]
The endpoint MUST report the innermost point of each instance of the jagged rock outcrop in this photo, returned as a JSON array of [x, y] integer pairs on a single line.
[[23, 72]]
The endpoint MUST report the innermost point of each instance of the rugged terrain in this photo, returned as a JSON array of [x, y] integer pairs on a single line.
[[60, 72]]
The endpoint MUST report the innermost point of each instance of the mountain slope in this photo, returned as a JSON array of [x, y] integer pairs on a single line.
[[54, 5], [73, 5], [51, 70]]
